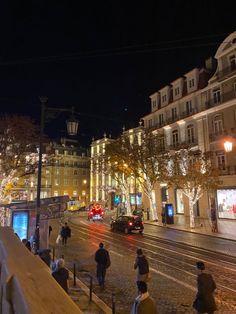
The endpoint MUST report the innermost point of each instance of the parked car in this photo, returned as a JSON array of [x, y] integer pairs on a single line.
[[96, 212], [127, 224]]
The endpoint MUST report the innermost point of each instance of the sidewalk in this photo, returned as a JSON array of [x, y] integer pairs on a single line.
[[202, 227]]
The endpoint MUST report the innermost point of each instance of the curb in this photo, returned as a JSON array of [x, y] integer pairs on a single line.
[[203, 234], [95, 299]]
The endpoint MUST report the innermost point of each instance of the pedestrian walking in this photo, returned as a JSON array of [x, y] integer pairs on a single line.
[[213, 220], [61, 274], [142, 266], [65, 233], [143, 304], [163, 216], [103, 261], [204, 302]]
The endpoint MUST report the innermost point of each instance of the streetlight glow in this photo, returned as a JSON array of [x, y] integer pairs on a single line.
[[228, 146]]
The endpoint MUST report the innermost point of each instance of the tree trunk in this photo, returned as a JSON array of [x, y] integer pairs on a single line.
[[191, 214], [153, 209]]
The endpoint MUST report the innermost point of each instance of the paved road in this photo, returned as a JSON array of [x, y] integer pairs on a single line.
[[172, 264]]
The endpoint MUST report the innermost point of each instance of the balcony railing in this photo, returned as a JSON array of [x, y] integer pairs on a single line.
[[223, 98], [226, 72], [208, 104], [229, 170]]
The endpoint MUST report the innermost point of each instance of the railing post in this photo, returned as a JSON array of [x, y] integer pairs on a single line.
[[90, 288], [113, 305], [74, 275], [53, 253]]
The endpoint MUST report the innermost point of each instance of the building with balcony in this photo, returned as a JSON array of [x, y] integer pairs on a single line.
[[199, 109], [67, 173]]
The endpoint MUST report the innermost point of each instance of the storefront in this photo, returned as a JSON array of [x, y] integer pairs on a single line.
[[226, 203]]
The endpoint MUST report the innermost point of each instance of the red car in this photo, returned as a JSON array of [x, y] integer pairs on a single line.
[[96, 212]]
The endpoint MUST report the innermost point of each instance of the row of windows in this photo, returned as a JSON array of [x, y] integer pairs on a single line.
[[67, 172], [66, 152]]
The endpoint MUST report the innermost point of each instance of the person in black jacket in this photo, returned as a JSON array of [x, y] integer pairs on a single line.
[[65, 233], [61, 274], [102, 259], [142, 266], [204, 302]]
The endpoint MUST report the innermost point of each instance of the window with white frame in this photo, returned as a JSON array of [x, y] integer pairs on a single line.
[[164, 98], [66, 181], [150, 123], [175, 138], [174, 113], [218, 125], [190, 134], [75, 182], [57, 171], [56, 182], [232, 61], [221, 161], [191, 83], [176, 91], [189, 107], [154, 104], [65, 152], [161, 119], [75, 172], [216, 96]]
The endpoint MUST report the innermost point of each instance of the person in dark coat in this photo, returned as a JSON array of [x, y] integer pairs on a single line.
[[204, 302], [142, 266], [102, 259], [61, 274], [65, 233]]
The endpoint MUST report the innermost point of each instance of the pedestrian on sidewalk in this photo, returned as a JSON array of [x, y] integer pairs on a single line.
[[163, 216], [61, 274], [65, 233], [143, 304], [142, 266], [103, 261], [204, 302]]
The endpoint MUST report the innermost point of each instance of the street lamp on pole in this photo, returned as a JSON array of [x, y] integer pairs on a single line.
[[72, 128]]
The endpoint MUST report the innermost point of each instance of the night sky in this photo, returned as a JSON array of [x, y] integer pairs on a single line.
[[103, 57]]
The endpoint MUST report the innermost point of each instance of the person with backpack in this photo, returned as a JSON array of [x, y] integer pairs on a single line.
[[103, 261], [142, 266]]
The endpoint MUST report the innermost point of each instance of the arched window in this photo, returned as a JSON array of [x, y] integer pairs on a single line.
[[190, 134], [175, 138]]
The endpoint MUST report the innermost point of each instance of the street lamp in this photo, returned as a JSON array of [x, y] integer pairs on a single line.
[[228, 145], [72, 127]]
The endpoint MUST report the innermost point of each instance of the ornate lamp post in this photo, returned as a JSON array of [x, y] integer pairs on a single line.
[[72, 128]]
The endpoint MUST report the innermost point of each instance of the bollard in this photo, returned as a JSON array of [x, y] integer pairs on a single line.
[[53, 253], [74, 274], [90, 288], [113, 306]]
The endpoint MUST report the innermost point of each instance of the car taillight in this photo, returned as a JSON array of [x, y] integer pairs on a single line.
[[102, 213], [130, 223]]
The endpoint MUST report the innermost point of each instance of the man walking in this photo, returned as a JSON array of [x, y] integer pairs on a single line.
[[142, 266], [204, 302], [102, 259], [65, 233]]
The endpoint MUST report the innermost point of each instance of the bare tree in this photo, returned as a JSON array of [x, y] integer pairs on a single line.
[[192, 172], [142, 157], [18, 152]]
